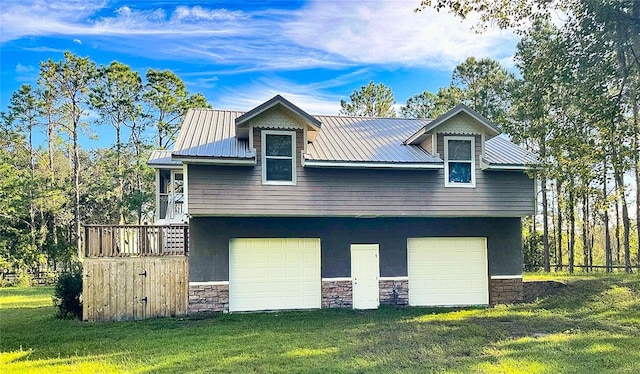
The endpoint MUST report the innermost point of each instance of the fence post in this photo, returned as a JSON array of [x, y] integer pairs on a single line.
[[185, 241]]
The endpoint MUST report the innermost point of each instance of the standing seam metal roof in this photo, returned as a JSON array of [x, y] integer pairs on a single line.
[[161, 157], [365, 139], [212, 134], [501, 151]]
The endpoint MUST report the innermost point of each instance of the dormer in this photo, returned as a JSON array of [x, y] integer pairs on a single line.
[[458, 137], [278, 132], [277, 113]]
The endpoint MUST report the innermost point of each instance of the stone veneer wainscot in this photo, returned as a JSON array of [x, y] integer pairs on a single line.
[[505, 291], [208, 298], [339, 294]]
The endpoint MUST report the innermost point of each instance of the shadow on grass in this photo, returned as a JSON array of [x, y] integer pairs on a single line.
[[588, 325]]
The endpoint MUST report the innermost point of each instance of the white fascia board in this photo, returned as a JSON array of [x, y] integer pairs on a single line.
[[219, 161], [166, 166], [413, 139], [371, 165], [486, 166]]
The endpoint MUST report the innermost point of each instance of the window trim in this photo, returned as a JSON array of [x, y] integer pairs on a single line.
[[447, 183], [263, 160]]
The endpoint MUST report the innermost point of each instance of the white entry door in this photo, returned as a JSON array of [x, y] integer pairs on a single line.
[[365, 272]]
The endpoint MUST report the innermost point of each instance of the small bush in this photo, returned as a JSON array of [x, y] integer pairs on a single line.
[[23, 279], [67, 296]]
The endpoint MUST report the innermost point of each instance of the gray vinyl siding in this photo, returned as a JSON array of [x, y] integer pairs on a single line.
[[326, 192], [209, 241]]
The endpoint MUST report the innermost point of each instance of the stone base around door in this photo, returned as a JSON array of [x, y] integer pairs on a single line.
[[208, 298], [394, 292], [505, 291], [337, 294]]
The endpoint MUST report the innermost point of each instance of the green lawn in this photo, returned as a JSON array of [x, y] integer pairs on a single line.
[[592, 326]]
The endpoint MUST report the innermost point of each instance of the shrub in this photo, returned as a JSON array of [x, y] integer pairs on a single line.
[[23, 279], [67, 296]]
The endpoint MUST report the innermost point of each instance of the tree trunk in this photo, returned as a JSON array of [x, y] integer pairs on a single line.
[[635, 45], [555, 228], [636, 155], [121, 218], [617, 230], [572, 226], [585, 231], [32, 204], [76, 186], [545, 225], [637, 174], [558, 196], [607, 237], [625, 219]]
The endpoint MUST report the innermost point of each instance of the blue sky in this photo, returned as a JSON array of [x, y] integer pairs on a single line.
[[241, 53]]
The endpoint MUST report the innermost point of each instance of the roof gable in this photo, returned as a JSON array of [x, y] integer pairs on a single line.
[[243, 121], [460, 119]]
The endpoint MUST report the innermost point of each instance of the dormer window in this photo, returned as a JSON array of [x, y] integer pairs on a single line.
[[459, 161], [278, 157]]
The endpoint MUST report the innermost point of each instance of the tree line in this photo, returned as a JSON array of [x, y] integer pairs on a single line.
[[574, 102], [52, 184]]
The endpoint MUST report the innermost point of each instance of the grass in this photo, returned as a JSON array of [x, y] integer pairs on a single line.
[[592, 325]]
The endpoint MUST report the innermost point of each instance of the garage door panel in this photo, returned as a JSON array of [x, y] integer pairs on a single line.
[[447, 271], [272, 274]]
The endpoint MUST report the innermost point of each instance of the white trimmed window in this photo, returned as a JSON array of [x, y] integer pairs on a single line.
[[459, 161], [278, 157]]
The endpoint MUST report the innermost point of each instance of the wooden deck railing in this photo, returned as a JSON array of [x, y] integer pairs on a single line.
[[127, 241]]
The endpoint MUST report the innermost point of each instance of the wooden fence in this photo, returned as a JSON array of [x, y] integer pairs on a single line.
[[135, 272]]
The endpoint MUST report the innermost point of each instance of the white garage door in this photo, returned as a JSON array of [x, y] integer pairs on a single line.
[[272, 274], [447, 271]]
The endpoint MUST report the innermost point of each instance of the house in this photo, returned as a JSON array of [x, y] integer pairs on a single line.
[[292, 211]]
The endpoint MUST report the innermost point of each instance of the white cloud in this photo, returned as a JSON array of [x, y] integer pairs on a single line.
[[183, 13], [390, 32], [45, 17], [306, 97], [21, 69], [322, 34]]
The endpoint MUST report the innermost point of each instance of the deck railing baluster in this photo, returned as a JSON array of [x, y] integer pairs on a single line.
[[135, 240]]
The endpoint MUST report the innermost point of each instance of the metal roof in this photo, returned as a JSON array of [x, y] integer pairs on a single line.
[[366, 139], [211, 133], [500, 151], [162, 158]]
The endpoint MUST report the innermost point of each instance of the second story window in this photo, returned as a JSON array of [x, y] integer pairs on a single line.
[[459, 160], [278, 157]]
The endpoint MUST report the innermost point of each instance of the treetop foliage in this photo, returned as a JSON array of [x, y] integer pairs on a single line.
[[372, 100], [49, 190]]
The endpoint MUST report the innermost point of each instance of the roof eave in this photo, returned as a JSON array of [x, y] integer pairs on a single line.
[[507, 167], [372, 165], [417, 138], [165, 166], [216, 160]]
